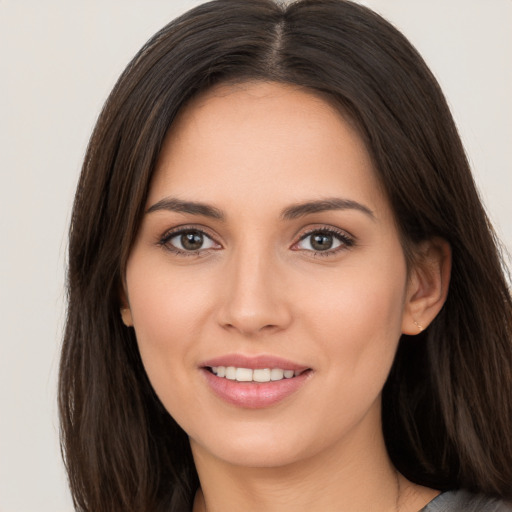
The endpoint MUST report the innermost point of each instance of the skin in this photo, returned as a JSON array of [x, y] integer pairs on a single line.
[[257, 287]]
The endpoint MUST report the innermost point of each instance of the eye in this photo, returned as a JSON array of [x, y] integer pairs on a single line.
[[189, 241], [324, 240]]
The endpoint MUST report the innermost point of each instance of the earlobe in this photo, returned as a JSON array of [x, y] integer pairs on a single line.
[[126, 313], [126, 316], [428, 285]]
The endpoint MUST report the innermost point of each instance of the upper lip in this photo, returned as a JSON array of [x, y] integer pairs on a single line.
[[254, 362]]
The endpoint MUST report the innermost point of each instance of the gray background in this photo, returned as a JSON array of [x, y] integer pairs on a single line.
[[59, 59]]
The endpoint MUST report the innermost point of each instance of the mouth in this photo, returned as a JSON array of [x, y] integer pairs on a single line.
[[262, 375], [254, 382]]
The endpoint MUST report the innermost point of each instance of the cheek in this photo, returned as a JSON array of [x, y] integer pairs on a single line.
[[356, 316], [165, 305], [362, 295], [356, 327], [167, 312]]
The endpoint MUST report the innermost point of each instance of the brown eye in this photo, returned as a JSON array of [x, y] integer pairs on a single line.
[[321, 242], [191, 240], [324, 240]]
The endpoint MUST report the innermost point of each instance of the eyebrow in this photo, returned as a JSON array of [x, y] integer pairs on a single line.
[[289, 213], [191, 207], [323, 205]]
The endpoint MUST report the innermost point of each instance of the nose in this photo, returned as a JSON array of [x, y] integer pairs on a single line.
[[253, 297]]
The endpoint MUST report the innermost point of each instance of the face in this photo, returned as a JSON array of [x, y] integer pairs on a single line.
[[267, 285]]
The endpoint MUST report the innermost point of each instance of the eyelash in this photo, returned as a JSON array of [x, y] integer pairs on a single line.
[[346, 241], [169, 235]]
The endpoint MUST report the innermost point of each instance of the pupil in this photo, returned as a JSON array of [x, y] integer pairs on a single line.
[[192, 241], [321, 242]]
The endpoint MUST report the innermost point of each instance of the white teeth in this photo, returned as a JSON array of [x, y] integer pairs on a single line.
[[261, 375], [276, 374], [243, 375], [257, 375]]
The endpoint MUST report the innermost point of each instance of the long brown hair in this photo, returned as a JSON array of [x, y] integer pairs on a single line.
[[447, 404]]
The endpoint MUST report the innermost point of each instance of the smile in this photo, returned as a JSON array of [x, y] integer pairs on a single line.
[[254, 382], [253, 375]]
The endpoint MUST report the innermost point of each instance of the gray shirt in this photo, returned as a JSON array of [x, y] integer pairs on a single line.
[[464, 501]]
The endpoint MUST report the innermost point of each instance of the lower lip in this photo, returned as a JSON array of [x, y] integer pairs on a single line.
[[254, 395]]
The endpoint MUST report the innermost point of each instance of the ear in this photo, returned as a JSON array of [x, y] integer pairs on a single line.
[[126, 312], [126, 316], [428, 283]]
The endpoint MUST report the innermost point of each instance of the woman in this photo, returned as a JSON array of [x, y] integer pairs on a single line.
[[284, 293]]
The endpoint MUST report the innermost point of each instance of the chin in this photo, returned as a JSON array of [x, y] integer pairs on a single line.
[[259, 454], [256, 446]]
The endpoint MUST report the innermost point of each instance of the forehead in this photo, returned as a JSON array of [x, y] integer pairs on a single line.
[[260, 139]]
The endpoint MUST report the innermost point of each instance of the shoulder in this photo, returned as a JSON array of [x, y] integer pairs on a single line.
[[465, 501]]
